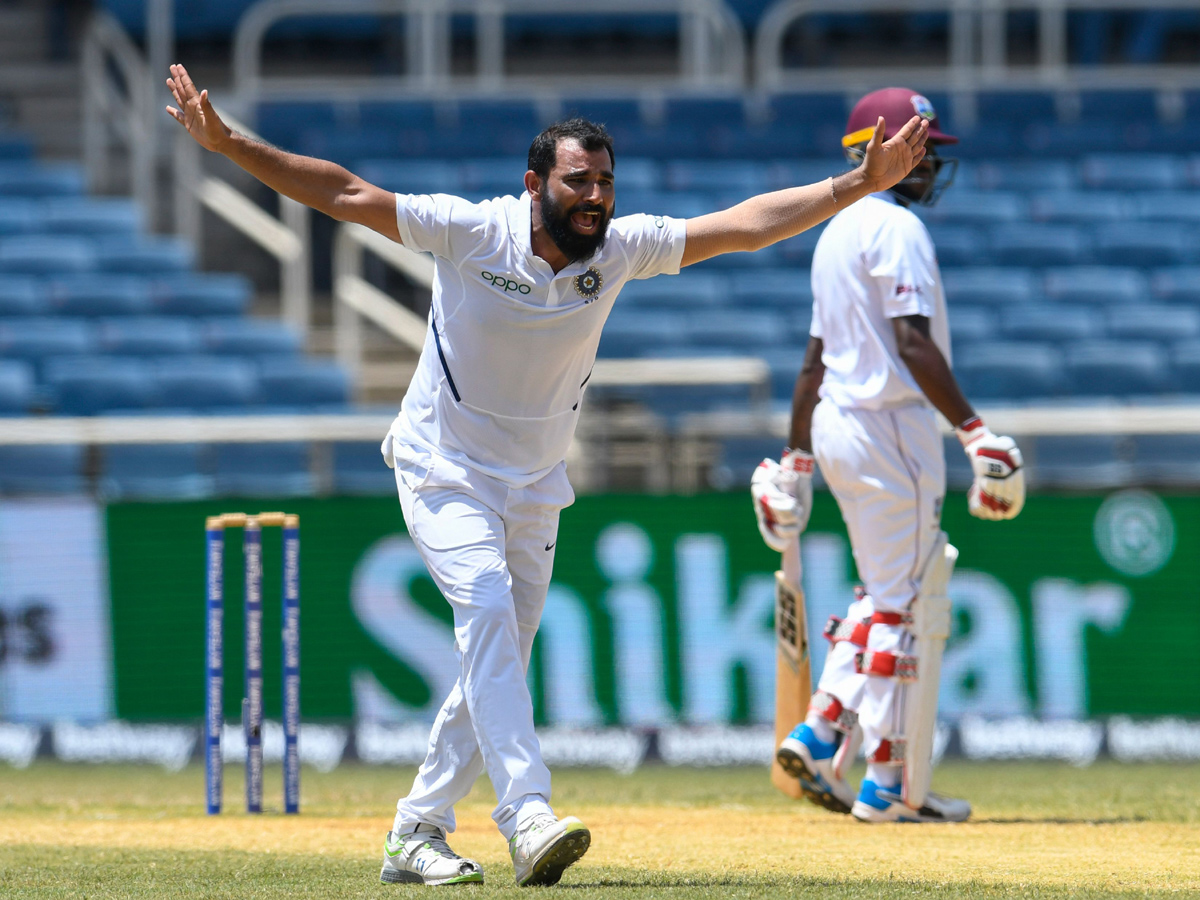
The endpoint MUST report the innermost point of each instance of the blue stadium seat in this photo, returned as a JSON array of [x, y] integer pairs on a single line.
[[1126, 106], [409, 113], [349, 146], [829, 110], [18, 215], [1006, 370], [482, 118], [154, 472], [1153, 321], [637, 173], [204, 294], [978, 207], [1025, 175], [22, 296], [1133, 172], [15, 147], [47, 469], [970, 324], [1185, 366], [38, 337], [1056, 139], [145, 255], [495, 177], [732, 177], [958, 245], [1015, 106], [17, 394], [679, 206], [1177, 284], [149, 336], [1167, 206], [788, 173], [798, 250], [99, 295], [413, 176], [1085, 207], [232, 336], [89, 215], [637, 332], [782, 289], [205, 383], [84, 386], [1145, 244], [987, 286], [358, 468], [302, 382], [1116, 368], [1096, 284], [784, 363], [740, 329], [1078, 461], [687, 290], [282, 123], [718, 122], [615, 113], [1167, 460], [264, 470], [1050, 322], [46, 255], [24, 179], [1026, 244]]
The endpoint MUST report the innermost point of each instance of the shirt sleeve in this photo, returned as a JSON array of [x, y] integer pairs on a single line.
[[903, 262], [441, 224], [654, 244]]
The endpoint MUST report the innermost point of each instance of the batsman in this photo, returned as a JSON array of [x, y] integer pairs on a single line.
[[877, 367]]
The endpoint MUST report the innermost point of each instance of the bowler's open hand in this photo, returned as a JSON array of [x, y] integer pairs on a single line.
[[887, 162], [195, 112]]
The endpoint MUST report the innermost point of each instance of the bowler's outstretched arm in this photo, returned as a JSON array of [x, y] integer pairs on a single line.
[[768, 218], [323, 185]]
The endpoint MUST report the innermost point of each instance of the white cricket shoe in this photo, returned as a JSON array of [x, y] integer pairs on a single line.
[[809, 760], [424, 857], [543, 849], [876, 804]]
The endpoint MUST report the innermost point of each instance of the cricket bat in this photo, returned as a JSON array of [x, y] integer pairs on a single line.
[[793, 671]]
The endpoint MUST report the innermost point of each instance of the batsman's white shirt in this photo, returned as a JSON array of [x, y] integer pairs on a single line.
[[511, 343], [874, 262]]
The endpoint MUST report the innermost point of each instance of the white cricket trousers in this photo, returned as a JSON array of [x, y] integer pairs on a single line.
[[887, 471], [490, 550]]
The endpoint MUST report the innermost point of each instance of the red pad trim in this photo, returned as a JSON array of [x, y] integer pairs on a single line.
[[853, 630], [1002, 455], [890, 752], [883, 664], [830, 707]]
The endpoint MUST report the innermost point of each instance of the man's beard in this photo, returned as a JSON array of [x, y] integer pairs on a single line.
[[573, 245]]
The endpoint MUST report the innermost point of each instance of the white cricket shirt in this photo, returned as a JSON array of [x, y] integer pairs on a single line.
[[510, 345], [874, 262]]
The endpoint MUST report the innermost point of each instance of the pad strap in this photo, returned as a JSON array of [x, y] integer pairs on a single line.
[[856, 630], [830, 707], [890, 752], [884, 664]]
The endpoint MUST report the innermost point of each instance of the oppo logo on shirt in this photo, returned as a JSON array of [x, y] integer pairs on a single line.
[[902, 289], [506, 284]]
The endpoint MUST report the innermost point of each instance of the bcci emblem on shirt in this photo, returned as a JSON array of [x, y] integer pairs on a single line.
[[588, 284]]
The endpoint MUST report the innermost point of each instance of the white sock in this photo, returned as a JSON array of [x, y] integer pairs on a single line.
[[821, 727], [886, 777]]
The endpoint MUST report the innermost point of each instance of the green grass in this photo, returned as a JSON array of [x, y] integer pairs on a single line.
[[1040, 831]]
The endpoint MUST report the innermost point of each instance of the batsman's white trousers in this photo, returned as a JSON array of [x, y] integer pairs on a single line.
[[887, 472], [490, 550]]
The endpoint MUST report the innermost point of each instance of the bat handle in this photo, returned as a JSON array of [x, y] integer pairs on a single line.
[[791, 562]]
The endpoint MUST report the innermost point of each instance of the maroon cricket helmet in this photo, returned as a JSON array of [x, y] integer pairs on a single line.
[[896, 105]]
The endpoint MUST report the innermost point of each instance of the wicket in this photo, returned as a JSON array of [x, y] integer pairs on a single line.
[[252, 702]]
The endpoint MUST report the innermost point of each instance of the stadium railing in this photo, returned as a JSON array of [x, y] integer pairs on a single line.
[[712, 50], [978, 41]]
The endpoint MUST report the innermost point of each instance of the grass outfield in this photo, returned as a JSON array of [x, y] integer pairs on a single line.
[[1039, 831]]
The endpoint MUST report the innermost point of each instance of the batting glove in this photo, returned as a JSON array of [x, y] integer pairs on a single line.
[[782, 493], [999, 488]]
